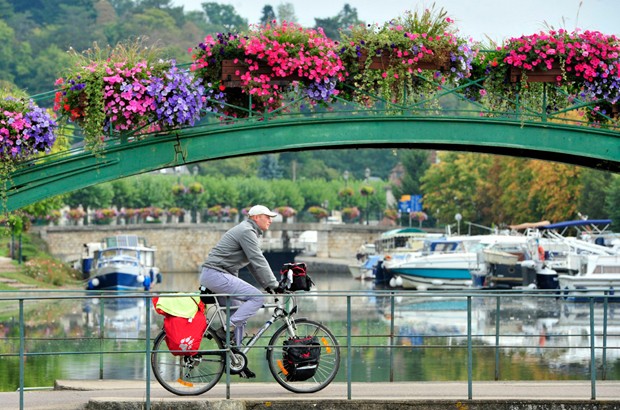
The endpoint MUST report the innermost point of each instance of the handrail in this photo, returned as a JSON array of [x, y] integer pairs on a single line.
[[597, 325]]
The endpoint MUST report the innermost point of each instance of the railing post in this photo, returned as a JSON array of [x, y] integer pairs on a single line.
[[592, 351], [497, 311], [349, 353], [391, 336], [101, 335], [228, 335], [21, 353], [469, 350], [604, 370], [147, 363], [544, 103]]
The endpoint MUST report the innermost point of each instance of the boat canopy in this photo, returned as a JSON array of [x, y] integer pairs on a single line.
[[579, 222]]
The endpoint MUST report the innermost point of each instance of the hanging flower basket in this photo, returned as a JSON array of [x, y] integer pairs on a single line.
[[127, 89], [266, 60], [234, 72], [537, 75], [25, 129], [386, 59], [588, 61]]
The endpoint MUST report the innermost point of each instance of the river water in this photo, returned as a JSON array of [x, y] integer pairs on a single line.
[[408, 337]]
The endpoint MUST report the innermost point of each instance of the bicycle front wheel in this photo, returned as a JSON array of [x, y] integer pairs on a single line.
[[189, 375], [329, 361]]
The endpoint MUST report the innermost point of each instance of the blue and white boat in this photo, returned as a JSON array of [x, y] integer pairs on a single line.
[[446, 263], [123, 263]]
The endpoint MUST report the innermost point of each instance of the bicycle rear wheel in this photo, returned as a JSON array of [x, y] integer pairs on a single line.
[[329, 362], [189, 375]]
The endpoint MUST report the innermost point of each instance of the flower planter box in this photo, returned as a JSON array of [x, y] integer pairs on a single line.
[[538, 75], [385, 60], [232, 72]]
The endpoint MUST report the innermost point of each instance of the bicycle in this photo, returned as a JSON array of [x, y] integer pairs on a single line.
[[195, 374]]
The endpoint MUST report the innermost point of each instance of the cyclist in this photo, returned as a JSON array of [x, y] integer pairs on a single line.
[[240, 247]]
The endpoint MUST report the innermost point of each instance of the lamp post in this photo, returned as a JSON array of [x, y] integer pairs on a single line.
[[458, 218], [345, 175]]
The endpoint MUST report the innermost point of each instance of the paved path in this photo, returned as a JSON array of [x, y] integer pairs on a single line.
[[76, 394]]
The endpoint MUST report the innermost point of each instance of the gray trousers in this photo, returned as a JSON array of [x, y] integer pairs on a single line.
[[246, 297]]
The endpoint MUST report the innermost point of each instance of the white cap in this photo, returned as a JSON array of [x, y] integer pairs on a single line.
[[261, 210]]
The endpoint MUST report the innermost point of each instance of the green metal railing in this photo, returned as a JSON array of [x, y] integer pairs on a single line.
[[341, 324]]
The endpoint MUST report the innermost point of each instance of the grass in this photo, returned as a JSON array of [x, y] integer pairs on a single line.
[[38, 268]]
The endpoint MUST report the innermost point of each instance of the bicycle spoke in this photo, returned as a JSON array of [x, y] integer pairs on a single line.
[[188, 375], [328, 365]]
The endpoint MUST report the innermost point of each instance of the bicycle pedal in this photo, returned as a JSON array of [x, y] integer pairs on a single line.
[[247, 374]]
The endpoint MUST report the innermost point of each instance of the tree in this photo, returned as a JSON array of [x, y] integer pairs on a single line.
[[555, 189], [415, 163], [230, 167], [92, 197], [612, 202], [269, 167], [254, 191], [224, 15], [286, 12], [450, 186], [287, 193], [332, 25], [594, 185], [268, 15]]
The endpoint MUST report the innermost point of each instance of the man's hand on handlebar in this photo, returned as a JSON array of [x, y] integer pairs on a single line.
[[278, 290]]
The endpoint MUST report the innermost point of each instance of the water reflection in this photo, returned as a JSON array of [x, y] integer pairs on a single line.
[[121, 318], [540, 338]]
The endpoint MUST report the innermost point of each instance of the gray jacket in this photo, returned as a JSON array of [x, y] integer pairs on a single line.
[[240, 247]]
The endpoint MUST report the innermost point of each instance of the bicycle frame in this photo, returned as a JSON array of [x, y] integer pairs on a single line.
[[279, 313]]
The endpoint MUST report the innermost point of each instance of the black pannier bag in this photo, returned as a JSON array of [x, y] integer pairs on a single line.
[[294, 277], [301, 358]]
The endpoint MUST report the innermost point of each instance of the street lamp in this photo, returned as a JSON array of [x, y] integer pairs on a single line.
[[458, 218], [345, 201]]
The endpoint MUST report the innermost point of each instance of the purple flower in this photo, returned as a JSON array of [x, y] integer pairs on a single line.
[[177, 97], [25, 129], [322, 90]]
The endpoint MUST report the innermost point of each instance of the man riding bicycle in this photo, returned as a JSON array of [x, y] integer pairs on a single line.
[[238, 248]]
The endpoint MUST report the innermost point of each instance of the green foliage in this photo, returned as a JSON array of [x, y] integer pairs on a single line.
[[93, 197], [287, 193], [595, 185], [332, 26], [416, 162], [51, 271], [612, 202], [286, 12], [224, 15], [268, 15], [269, 167]]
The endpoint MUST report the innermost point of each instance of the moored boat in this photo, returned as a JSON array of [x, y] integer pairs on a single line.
[[364, 270], [395, 245], [123, 263], [445, 263], [590, 266]]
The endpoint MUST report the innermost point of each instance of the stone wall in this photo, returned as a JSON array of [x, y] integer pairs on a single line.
[[183, 247]]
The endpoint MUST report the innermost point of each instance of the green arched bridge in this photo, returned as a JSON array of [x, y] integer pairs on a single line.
[[340, 125]]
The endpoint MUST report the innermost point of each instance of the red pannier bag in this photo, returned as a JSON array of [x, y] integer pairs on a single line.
[[184, 325]]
